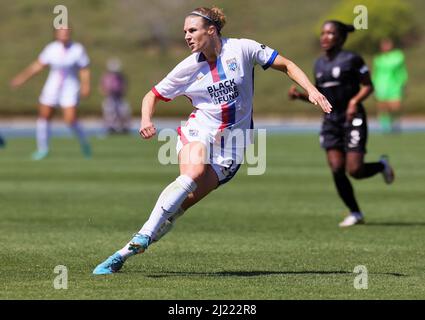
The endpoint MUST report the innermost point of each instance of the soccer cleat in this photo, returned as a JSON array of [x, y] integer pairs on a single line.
[[388, 172], [352, 219], [139, 243], [111, 265], [39, 155]]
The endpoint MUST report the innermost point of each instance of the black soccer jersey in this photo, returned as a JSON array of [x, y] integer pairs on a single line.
[[339, 79]]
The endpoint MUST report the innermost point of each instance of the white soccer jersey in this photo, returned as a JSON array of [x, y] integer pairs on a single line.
[[63, 85], [221, 92]]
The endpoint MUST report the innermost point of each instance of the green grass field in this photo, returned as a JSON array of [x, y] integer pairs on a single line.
[[273, 236]]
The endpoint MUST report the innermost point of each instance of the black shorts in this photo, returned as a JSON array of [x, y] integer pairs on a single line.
[[336, 133]]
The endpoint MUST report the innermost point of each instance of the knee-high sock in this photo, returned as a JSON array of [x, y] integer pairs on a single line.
[[167, 205], [43, 134], [345, 191], [167, 225], [79, 133], [370, 169]]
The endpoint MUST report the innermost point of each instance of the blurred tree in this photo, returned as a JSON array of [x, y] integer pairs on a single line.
[[385, 19]]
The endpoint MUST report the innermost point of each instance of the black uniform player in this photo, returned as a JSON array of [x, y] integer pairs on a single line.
[[339, 80], [344, 79]]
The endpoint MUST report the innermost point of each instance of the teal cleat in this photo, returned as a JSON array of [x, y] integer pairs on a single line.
[[39, 155], [139, 243], [111, 265]]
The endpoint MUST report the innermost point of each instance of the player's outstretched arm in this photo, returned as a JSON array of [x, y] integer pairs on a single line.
[[296, 74], [26, 74], [147, 128]]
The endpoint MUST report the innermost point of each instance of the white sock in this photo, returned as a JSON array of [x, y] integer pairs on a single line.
[[167, 225], [78, 131], [168, 204], [43, 134]]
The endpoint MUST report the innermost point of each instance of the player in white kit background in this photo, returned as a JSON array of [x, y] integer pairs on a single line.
[[218, 80], [69, 77]]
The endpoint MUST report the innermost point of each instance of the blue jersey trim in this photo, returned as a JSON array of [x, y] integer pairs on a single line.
[[220, 70], [271, 60]]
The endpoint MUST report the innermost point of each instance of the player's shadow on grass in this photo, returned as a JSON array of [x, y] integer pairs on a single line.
[[258, 273], [395, 224]]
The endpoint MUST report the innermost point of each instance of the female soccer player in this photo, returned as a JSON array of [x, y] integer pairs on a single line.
[[218, 79], [344, 78], [69, 64]]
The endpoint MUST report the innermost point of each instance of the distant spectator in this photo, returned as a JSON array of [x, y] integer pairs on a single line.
[[116, 111], [389, 77]]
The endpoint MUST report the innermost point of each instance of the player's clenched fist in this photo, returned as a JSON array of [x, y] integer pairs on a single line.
[[147, 129]]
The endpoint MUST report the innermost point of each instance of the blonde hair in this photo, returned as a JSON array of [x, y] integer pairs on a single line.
[[212, 16]]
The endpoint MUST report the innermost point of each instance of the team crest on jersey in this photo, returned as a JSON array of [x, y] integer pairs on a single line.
[[336, 71], [232, 64]]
